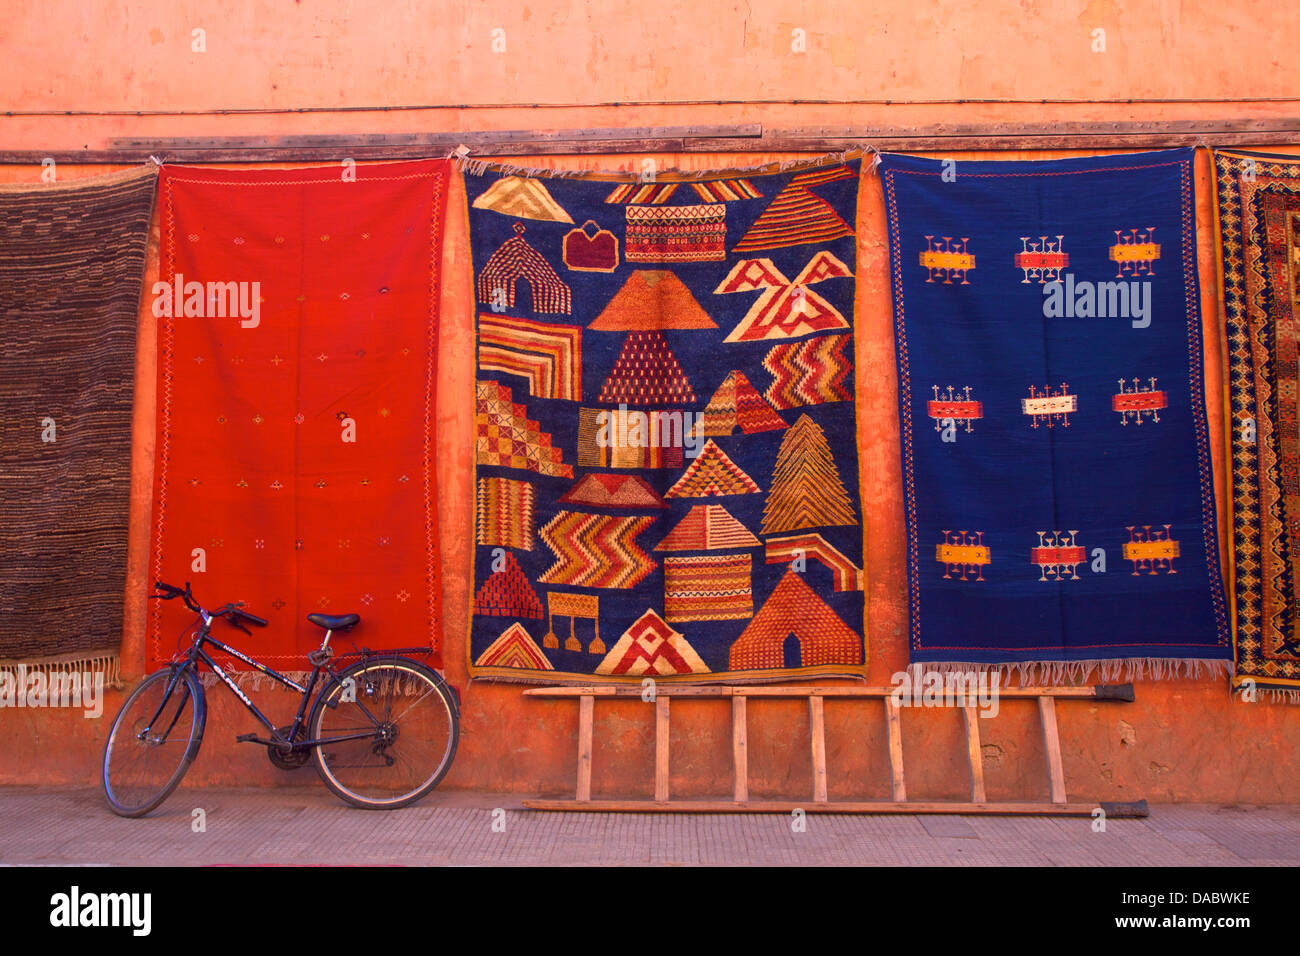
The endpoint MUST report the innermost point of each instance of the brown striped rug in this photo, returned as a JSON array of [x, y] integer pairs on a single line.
[[72, 258]]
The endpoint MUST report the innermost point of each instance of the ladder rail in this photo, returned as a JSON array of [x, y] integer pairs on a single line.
[[816, 693]]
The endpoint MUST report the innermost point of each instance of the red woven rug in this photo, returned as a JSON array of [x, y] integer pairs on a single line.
[[297, 369]]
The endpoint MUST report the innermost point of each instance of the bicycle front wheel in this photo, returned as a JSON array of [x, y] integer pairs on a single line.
[[389, 728], [153, 741]]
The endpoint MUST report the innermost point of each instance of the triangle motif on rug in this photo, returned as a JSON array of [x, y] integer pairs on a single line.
[[524, 198], [651, 646], [646, 372], [712, 473], [599, 490], [737, 402], [796, 216], [795, 610], [507, 593], [707, 528], [506, 436], [514, 648], [652, 299]]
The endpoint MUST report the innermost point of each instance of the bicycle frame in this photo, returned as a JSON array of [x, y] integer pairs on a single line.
[[198, 653], [366, 751]]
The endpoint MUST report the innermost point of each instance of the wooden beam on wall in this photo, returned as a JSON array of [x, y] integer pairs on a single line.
[[449, 141], [745, 138]]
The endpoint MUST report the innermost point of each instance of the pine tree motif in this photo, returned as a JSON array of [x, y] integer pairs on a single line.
[[806, 490]]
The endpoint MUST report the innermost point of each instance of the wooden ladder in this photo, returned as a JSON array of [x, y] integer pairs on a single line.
[[815, 695]]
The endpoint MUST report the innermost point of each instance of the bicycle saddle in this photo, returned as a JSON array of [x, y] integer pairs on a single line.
[[335, 622]]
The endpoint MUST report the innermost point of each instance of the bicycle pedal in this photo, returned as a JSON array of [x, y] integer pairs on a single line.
[[247, 738]]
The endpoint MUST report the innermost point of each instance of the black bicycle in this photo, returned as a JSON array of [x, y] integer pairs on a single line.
[[383, 730]]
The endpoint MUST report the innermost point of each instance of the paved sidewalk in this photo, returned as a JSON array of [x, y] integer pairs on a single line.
[[309, 826]]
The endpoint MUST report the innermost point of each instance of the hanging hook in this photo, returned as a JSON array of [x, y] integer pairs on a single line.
[[875, 156]]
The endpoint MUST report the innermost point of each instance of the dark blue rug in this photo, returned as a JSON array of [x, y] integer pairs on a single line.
[[666, 440], [1056, 459]]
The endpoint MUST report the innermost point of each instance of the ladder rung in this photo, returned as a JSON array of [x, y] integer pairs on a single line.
[[585, 707], [898, 785], [661, 748], [974, 753], [1052, 747], [740, 748], [818, 732]]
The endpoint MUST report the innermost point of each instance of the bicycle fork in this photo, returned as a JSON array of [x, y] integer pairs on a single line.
[[144, 735]]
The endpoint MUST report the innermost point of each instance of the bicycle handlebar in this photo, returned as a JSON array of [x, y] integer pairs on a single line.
[[171, 591], [232, 612]]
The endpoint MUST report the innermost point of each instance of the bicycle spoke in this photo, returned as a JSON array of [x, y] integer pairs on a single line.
[[140, 772], [431, 690], [408, 753]]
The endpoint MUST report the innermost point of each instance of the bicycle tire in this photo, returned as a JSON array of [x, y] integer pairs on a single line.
[[123, 749], [369, 780]]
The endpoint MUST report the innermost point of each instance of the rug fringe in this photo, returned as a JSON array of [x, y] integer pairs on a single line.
[[479, 167], [1103, 671], [255, 681], [531, 681], [110, 665], [1250, 690], [581, 681]]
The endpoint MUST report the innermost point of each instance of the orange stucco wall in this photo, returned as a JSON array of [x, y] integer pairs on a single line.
[[1181, 740]]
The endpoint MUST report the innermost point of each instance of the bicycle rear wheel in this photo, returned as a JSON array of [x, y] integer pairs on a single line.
[[153, 741], [406, 725]]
